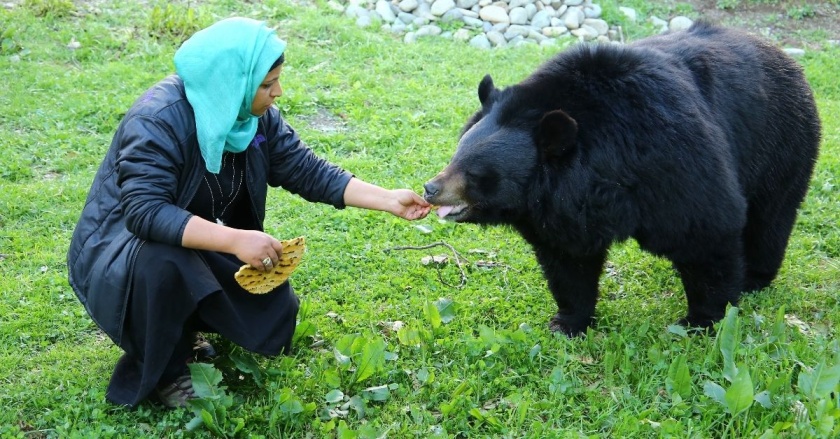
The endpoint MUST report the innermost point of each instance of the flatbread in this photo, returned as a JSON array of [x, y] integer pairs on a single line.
[[261, 282]]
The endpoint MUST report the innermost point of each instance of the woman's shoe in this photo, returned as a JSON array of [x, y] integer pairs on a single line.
[[177, 393], [202, 349]]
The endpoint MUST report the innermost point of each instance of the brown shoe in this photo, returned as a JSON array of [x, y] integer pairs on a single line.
[[202, 349], [177, 393]]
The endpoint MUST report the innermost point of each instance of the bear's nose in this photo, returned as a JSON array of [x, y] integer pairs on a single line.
[[431, 189]]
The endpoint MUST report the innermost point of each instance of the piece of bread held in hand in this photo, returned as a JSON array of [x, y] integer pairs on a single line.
[[261, 282]]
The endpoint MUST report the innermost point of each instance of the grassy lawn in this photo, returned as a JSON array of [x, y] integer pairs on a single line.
[[387, 346]]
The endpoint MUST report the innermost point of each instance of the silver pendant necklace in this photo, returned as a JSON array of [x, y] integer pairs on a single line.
[[235, 187]]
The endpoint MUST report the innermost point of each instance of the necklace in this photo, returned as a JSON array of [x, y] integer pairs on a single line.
[[221, 199]]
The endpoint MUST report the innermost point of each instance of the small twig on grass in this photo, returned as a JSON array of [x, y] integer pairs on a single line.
[[458, 260]]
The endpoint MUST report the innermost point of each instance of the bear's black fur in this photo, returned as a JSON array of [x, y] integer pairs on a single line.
[[698, 144]]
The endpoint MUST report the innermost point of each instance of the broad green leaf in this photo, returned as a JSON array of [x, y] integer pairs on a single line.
[[425, 376], [304, 329], [331, 377], [409, 336], [195, 423], [372, 359], [345, 344], [377, 393], [476, 413], [345, 432], [205, 379], [432, 315], [343, 360], [209, 422], [728, 342], [289, 402], [763, 398], [446, 310], [739, 397], [715, 391], [820, 381], [334, 396], [679, 379], [357, 403], [534, 351], [677, 330], [247, 364], [488, 335]]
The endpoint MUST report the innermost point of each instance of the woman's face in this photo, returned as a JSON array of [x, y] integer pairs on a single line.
[[267, 92]]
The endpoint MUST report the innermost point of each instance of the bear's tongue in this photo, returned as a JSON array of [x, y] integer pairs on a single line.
[[444, 210]]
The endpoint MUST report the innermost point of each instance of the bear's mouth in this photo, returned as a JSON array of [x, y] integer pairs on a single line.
[[452, 213]]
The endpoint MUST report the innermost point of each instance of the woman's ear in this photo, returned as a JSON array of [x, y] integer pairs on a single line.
[[556, 135]]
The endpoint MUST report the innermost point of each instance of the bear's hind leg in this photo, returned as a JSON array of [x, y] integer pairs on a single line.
[[711, 281], [574, 284], [769, 225]]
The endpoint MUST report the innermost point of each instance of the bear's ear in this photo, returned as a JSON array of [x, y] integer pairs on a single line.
[[556, 135], [486, 91]]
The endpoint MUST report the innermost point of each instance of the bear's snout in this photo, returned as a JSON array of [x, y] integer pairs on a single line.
[[431, 188]]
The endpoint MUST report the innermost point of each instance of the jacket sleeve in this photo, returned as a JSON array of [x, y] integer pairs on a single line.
[[150, 165], [297, 169]]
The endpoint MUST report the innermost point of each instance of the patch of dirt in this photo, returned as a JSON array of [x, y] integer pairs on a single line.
[[791, 23], [323, 120]]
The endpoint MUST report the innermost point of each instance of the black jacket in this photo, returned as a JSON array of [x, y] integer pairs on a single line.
[[149, 176]]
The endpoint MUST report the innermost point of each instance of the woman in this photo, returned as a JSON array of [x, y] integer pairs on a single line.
[[178, 204]]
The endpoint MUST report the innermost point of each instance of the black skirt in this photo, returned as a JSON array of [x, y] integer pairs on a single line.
[[176, 291]]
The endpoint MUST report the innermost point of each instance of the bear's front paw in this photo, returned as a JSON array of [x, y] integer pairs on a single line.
[[568, 325]]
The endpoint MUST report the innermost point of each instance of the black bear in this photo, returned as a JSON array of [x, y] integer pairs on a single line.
[[698, 144]]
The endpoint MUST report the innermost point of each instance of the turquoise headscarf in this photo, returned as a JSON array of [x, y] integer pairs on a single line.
[[222, 66]]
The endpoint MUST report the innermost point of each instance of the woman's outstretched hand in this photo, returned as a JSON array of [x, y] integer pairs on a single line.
[[409, 205], [403, 203]]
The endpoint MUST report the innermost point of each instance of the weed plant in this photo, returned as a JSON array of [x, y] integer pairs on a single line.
[[388, 346]]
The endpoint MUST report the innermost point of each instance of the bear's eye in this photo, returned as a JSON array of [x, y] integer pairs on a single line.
[[485, 181]]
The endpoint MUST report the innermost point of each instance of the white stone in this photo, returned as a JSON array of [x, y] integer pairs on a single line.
[[383, 8], [468, 13], [679, 23], [354, 11], [335, 6], [440, 7], [496, 38], [461, 35], [630, 13], [480, 41], [494, 14], [531, 9], [517, 30], [600, 26], [473, 22], [541, 19], [572, 18], [408, 5], [592, 11], [554, 31], [794, 52], [518, 16]]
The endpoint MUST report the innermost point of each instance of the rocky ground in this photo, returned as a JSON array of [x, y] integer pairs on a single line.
[[795, 24], [779, 20]]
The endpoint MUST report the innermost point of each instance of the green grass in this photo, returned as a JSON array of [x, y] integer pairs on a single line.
[[475, 361]]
